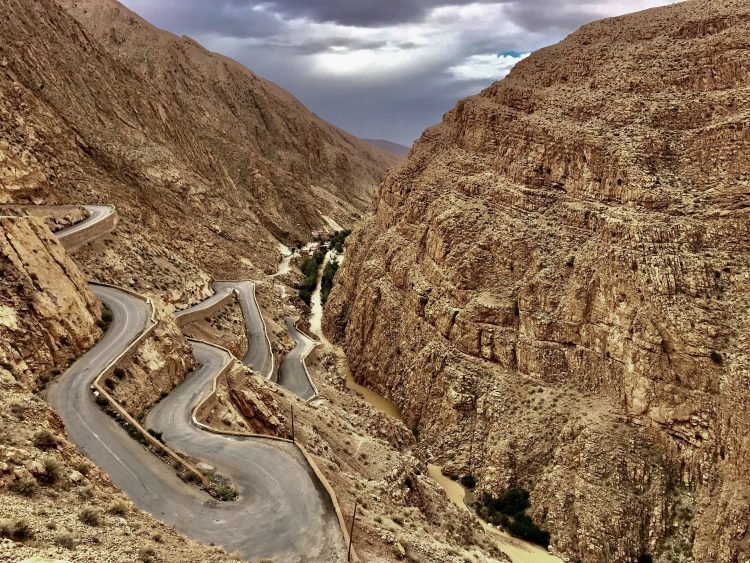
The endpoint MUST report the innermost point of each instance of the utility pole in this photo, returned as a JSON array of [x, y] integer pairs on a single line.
[[293, 440], [351, 533]]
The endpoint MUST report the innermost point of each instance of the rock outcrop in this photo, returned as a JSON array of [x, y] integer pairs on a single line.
[[48, 315], [553, 287]]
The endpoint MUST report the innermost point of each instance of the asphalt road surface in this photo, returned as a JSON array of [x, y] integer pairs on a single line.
[[280, 513], [292, 372], [206, 303], [259, 355], [96, 213]]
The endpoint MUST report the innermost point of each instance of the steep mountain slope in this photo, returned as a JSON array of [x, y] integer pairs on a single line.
[[554, 286], [391, 147], [205, 155]]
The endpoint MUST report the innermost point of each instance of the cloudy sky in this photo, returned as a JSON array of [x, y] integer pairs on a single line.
[[379, 68]]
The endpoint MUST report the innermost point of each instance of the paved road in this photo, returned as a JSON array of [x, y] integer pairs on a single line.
[[259, 354], [97, 213], [280, 514], [206, 303], [292, 372]]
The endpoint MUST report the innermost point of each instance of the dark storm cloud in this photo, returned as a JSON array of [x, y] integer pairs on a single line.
[[379, 68], [227, 18], [365, 14]]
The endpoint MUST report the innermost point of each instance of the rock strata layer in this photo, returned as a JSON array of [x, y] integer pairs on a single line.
[[554, 286]]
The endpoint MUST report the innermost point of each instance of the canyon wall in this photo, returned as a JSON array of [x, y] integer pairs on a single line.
[[553, 287]]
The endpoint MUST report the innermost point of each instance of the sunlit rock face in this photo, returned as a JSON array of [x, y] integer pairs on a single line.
[[554, 286]]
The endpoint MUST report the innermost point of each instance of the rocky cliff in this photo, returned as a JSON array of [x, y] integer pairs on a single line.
[[553, 287], [48, 315], [201, 156]]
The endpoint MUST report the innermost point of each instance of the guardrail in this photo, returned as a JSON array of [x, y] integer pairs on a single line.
[[308, 458], [195, 313], [125, 355], [315, 342]]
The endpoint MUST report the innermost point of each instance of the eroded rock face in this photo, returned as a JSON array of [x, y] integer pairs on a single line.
[[554, 285], [48, 315]]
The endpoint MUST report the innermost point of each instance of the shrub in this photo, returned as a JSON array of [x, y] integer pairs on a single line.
[[147, 553], [83, 467], [66, 540], [716, 357], [51, 473], [469, 481], [25, 486], [106, 319], [645, 558], [120, 373], [224, 492], [522, 526], [45, 440], [118, 508], [90, 517], [17, 529]]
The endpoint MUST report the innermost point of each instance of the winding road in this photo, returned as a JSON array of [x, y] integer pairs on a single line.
[[282, 511], [259, 355], [293, 373]]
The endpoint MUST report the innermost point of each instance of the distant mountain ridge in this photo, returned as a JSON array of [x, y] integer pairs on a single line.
[[393, 148]]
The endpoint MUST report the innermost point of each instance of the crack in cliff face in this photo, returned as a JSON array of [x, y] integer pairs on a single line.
[[571, 237]]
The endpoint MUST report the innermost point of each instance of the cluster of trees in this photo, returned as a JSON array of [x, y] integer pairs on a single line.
[[509, 512], [338, 238], [327, 282], [310, 271]]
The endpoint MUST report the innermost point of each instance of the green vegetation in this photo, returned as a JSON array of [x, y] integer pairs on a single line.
[[338, 238], [509, 511], [106, 319], [221, 488], [326, 283], [310, 270], [469, 481]]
